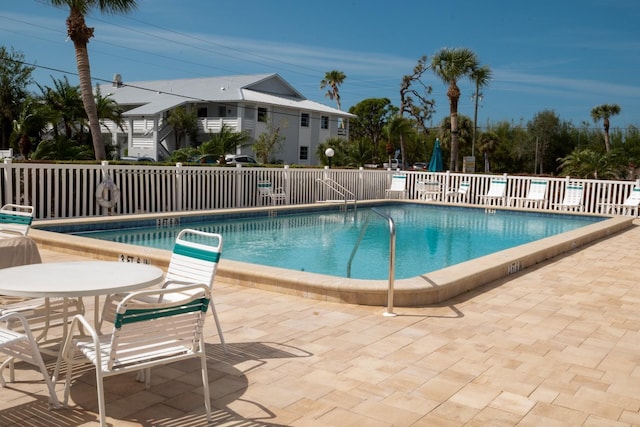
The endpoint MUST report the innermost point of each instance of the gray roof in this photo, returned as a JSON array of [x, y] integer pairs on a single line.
[[157, 96]]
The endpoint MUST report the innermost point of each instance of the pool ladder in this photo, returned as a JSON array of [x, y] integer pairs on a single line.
[[340, 190], [392, 255]]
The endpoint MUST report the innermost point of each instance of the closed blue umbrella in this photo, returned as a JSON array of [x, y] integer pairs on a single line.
[[435, 164]]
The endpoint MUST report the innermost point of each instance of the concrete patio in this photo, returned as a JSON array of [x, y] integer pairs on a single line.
[[554, 345]]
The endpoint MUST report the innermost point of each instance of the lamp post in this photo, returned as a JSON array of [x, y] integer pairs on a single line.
[[476, 97], [329, 153]]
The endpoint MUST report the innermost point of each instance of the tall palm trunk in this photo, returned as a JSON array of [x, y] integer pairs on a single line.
[[454, 95], [607, 143], [80, 34]]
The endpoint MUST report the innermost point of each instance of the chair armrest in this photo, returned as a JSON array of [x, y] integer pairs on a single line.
[[78, 322]]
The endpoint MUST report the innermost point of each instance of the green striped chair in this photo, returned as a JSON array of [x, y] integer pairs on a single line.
[[42, 313], [266, 191], [398, 186], [497, 193], [144, 335], [536, 196], [572, 200], [194, 260], [15, 220]]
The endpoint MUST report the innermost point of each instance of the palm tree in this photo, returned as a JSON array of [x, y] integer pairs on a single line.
[[185, 123], [451, 65], [399, 128], [333, 80], [603, 112], [80, 34], [481, 77], [224, 142], [487, 143], [587, 163], [108, 109], [62, 105]]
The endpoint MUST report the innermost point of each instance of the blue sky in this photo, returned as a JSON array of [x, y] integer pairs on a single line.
[[563, 55]]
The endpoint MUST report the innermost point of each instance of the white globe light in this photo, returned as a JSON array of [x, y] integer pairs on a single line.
[[329, 152]]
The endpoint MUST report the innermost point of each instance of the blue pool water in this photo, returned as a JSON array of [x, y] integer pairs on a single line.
[[428, 238]]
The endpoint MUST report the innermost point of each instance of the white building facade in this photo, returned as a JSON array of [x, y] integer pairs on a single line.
[[241, 103]]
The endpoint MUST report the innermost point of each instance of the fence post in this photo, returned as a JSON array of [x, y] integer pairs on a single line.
[[179, 203], [360, 187], [287, 185], [238, 194], [8, 182]]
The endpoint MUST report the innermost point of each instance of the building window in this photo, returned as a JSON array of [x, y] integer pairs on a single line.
[[304, 153], [202, 112], [304, 120], [262, 114], [324, 122]]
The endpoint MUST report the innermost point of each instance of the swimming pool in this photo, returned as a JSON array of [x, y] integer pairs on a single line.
[[429, 237], [427, 288]]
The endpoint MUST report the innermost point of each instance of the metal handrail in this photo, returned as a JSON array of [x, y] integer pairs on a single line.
[[339, 189], [392, 255]]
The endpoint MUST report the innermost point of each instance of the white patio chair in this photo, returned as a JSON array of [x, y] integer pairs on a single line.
[[21, 345], [266, 191], [194, 259], [398, 186], [572, 198], [459, 195], [144, 335], [536, 196], [42, 313], [497, 192], [630, 205], [15, 220]]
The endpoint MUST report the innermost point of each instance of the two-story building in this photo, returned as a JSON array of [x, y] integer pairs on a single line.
[[241, 103]]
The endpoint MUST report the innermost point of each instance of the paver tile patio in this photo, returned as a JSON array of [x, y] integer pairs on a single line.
[[557, 344]]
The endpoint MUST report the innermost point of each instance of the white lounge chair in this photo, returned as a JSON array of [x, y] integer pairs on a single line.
[[144, 335], [22, 345], [497, 192], [461, 194], [629, 206], [572, 198], [15, 220], [266, 191], [536, 196], [398, 186], [194, 259]]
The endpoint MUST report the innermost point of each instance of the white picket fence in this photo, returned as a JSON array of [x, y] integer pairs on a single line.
[[70, 190]]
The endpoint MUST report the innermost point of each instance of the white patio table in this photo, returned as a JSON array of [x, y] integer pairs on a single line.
[[77, 279]]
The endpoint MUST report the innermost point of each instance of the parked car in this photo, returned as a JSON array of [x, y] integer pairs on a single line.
[[240, 159], [206, 158], [395, 164], [137, 159], [419, 166]]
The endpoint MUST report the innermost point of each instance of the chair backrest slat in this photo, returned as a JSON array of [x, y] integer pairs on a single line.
[[16, 219], [145, 331], [634, 197], [195, 257], [573, 195], [497, 188], [537, 190], [143, 314], [398, 183]]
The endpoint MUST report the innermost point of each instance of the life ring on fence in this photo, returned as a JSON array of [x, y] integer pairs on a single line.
[[113, 191]]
